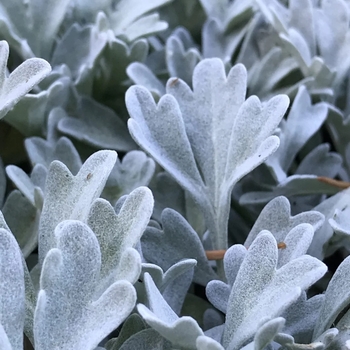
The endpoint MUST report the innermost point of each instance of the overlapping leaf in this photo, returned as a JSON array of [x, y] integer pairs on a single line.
[[260, 292], [181, 331], [20, 81], [69, 312], [118, 235], [12, 305]]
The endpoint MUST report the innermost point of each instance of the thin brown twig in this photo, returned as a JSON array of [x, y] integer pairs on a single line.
[[219, 254], [337, 183]]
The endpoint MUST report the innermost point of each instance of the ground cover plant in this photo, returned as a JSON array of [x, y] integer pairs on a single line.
[[174, 174]]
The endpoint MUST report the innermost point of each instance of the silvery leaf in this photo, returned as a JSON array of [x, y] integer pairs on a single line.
[[292, 137], [69, 314], [98, 126], [180, 62], [30, 186], [337, 297], [71, 197], [132, 19], [294, 185], [332, 21], [339, 128], [218, 292], [228, 12], [109, 76], [302, 316], [261, 292], [168, 194], [87, 10], [81, 46], [118, 235], [23, 219], [12, 306], [207, 160], [31, 33], [174, 283], [30, 295], [268, 71], [320, 162], [41, 151], [297, 242], [276, 218], [174, 242], [4, 340], [320, 343], [140, 74], [266, 334], [134, 170], [20, 81], [44, 152], [217, 43], [29, 114], [181, 331], [322, 244]]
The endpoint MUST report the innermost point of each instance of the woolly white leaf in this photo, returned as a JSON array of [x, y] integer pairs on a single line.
[[135, 170], [140, 74], [337, 297], [321, 245], [181, 331], [301, 317], [129, 18], [12, 303], [217, 291], [85, 44], [69, 314], [176, 241], [29, 115], [265, 334], [174, 283], [276, 218], [20, 81], [295, 185], [23, 219], [107, 131], [37, 33], [55, 147], [117, 233], [293, 138], [180, 62], [70, 197], [207, 158], [261, 292]]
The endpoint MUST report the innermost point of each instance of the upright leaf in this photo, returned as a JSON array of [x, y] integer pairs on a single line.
[[208, 138]]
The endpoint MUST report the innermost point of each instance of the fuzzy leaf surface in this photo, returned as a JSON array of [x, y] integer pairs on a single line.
[[20, 81], [118, 235], [208, 138], [181, 331], [12, 304], [69, 314], [261, 292], [70, 197]]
